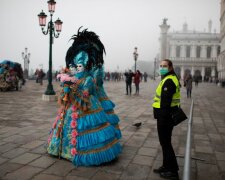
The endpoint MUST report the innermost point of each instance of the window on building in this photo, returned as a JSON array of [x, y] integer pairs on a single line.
[[178, 51], [209, 51], [218, 50], [188, 51], [198, 52]]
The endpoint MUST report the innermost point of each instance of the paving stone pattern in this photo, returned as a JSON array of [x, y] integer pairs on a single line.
[[25, 121]]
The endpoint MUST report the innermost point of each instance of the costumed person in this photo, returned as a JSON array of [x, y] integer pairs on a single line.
[[166, 101], [81, 132], [108, 106]]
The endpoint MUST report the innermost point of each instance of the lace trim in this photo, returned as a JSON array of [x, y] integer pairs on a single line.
[[99, 149], [90, 112], [103, 99], [94, 129]]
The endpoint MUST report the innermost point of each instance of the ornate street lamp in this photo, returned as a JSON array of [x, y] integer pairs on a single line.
[[26, 60], [53, 32], [135, 58]]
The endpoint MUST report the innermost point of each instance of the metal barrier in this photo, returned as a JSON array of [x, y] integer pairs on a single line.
[[187, 159]]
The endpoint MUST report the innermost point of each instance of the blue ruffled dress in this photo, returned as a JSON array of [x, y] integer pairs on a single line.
[[106, 103], [81, 132]]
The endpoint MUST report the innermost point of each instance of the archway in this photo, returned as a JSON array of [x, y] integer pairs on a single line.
[[197, 75], [207, 73]]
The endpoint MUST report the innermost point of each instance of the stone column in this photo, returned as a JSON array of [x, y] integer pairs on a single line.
[[182, 72], [213, 73], [173, 51], [192, 71], [214, 51], [183, 51], [203, 51], [203, 73], [193, 51], [163, 39]]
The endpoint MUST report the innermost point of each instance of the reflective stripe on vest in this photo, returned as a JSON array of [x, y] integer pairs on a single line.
[[176, 96]]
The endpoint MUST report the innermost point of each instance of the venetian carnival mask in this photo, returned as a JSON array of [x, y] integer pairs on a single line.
[[80, 61], [80, 68], [73, 70]]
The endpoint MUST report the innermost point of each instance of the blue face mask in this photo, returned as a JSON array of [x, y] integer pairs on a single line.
[[163, 71]]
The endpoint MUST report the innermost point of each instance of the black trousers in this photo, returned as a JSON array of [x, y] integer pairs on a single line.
[[165, 135], [188, 93], [128, 87], [137, 88]]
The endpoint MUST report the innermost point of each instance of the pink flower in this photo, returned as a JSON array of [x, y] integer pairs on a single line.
[[74, 115], [74, 108], [74, 133], [65, 77], [73, 79], [49, 138], [57, 117], [85, 93], [73, 141], [62, 78], [54, 124], [58, 76], [59, 111], [73, 151], [73, 124]]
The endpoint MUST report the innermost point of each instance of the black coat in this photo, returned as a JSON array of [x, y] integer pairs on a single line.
[[163, 114], [128, 76]]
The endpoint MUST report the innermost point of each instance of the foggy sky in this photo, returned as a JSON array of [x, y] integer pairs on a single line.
[[121, 25]]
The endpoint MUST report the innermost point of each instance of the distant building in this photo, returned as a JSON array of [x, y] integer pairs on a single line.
[[221, 57], [192, 52]]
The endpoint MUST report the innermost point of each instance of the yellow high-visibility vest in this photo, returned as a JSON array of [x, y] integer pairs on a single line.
[[176, 96]]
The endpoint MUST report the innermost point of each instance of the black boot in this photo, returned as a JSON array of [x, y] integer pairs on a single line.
[[159, 170], [169, 175]]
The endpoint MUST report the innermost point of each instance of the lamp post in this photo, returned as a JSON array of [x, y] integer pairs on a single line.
[[26, 60], [135, 54], [53, 32]]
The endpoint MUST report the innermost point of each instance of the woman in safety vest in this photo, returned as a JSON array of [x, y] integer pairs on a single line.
[[166, 100]]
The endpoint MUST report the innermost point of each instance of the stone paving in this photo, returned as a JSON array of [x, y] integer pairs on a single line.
[[25, 121]]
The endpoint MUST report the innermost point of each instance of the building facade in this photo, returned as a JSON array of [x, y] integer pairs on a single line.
[[192, 52], [221, 57]]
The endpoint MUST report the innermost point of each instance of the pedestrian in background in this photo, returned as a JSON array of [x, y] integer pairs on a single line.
[[36, 75], [166, 100], [41, 75], [188, 83], [145, 76], [196, 81], [137, 80], [128, 75]]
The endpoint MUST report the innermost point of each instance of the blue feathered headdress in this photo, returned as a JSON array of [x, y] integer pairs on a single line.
[[89, 47]]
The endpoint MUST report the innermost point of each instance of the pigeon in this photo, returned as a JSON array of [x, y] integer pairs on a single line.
[[137, 124]]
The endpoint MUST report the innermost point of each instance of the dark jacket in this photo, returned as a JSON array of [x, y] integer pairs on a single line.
[[163, 114], [137, 78], [128, 76]]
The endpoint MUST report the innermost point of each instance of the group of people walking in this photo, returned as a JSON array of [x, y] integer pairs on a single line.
[[86, 129]]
